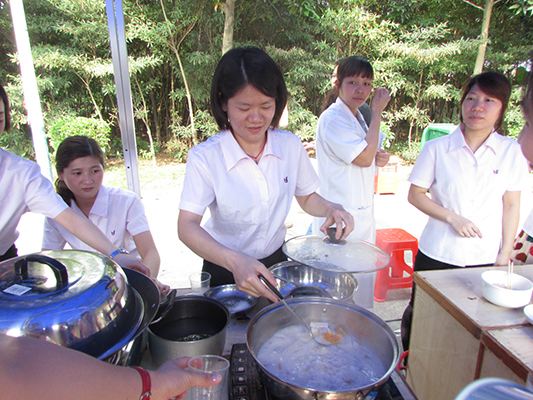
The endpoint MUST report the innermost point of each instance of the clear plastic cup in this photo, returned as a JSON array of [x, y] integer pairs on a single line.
[[200, 282], [213, 365]]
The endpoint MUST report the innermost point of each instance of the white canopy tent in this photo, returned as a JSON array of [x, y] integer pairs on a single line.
[[115, 21]]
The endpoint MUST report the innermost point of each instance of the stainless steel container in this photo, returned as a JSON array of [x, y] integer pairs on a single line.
[[76, 299], [366, 327], [340, 286], [195, 325]]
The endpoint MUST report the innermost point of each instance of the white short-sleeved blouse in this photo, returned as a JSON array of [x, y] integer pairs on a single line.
[[118, 213], [248, 202], [471, 185], [23, 188]]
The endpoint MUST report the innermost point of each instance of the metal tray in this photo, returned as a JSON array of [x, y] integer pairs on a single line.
[[236, 302]]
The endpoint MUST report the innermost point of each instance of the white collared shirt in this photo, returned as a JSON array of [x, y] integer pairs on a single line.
[[23, 188], [471, 185], [118, 213], [248, 202], [340, 139]]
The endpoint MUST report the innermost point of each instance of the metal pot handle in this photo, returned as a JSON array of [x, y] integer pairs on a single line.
[[60, 271], [169, 303]]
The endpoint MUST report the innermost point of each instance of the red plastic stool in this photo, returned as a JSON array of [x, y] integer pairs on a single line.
[[399, 274]]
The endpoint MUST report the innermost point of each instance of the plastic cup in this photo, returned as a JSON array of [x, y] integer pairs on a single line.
[[213, 365], [200, 282]]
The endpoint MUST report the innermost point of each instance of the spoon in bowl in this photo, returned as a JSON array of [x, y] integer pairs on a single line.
[[318, 340]]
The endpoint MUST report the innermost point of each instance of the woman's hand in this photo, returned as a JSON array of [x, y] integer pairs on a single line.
[[171, 380], [380, 99], [246, 271], [382, 158], [463, 227], [503, 258], [131, 262], [338, 216]]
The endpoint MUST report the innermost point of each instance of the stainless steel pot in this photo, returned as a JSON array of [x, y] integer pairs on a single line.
[[132, 351], [195, 325], [366, 327], [340, 286], [76, 299]]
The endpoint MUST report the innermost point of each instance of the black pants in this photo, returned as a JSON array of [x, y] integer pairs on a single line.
[[221, 276], [10, 253], [422, 263]]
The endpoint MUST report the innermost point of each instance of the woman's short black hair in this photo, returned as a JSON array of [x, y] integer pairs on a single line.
[[354, 66], [244, 66], [7, 117], [493, 84]]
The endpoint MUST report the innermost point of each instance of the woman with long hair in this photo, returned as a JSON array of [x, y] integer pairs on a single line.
[[118, 213], [23, 188]]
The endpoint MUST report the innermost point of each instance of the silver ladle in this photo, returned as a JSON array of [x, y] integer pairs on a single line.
[[276, 292]]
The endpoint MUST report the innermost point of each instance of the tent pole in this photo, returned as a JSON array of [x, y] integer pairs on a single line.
[[117, 37]]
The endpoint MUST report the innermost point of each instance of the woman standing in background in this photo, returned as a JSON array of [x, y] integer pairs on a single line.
[[348, 153], [475, 176]]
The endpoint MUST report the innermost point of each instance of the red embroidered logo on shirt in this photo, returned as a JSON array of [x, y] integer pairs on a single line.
[[112, 233], [286, 179], [496, 171]]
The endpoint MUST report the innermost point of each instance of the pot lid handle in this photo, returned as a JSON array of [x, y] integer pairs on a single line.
[[60, 271]]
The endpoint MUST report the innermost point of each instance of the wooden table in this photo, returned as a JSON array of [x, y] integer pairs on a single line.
[[457, 336]]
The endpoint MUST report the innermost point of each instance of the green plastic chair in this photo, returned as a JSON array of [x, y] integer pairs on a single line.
[[433, 131]]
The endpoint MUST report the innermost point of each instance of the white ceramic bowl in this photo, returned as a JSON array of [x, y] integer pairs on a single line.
[[495, 289]]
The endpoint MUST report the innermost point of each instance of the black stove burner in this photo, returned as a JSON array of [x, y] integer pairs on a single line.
[[245, 383]]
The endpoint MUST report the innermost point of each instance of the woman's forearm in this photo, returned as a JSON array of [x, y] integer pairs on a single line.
[[36, 369], [200, 242], [89, 233], [510, 220], [85, 230], [147, 249]]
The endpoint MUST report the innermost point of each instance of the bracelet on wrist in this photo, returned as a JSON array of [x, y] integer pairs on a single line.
[[147, 383], [118, 251]]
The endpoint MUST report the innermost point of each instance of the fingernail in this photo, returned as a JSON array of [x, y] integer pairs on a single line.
[[215, 377]]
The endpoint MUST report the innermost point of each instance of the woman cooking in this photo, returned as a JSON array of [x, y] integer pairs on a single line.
[[475, 176], [247, 175]]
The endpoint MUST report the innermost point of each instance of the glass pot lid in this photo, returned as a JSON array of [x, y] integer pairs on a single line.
[[344, 256]]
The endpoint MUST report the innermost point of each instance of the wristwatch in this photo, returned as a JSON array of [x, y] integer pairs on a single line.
[[118, 251], [147, 383]]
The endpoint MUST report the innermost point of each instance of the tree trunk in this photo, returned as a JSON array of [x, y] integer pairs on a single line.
[[175, 47], [229, 23], [487, 12], [157, 119], [145, 119]]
